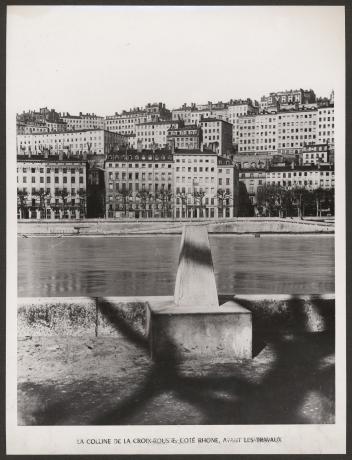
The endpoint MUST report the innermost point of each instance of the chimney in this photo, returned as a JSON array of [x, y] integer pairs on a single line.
[[202, 147], [46, 153], [139, 145], [292, 164], [61, 156]]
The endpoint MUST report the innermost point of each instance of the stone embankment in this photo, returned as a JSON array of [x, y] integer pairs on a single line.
[[94, 316], [105, 227]]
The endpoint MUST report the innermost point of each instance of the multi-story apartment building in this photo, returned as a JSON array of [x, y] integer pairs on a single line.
[[325, 132], [190, 115], [83, 121], [236, 109], [287, 99], [217, 135], [87, 141], [315, 154], [139, 184], [185, 137], [310, 177], [284, 132], [206, 185], [296, 129], [254, 179], [31, 127], [51, 187], [56, 126], [153, 134], [126, 121], [257, 133]]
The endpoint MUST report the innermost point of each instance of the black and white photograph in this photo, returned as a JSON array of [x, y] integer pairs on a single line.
[[175, 229]]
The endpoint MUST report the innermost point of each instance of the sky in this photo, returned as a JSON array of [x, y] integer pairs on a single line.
[[104, 59]]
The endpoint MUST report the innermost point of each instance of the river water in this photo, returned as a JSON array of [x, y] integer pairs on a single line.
[[127, 266]]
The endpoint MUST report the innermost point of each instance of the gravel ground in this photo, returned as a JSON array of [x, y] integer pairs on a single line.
[[112, 381]]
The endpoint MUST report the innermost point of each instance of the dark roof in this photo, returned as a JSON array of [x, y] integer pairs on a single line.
[[70, 132], [184, 128], [50, 158], [194, 152], [160, 122], [134, 155], [213, 119], [288, 168]]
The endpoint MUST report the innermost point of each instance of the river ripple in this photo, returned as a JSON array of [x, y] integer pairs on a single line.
[[126, 266]]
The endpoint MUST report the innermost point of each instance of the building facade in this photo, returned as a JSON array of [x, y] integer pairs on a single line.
[[217, 135], [288, 99], [83, 142], [206, 185], [126, 121], [139, 184], [153, 134], [51, 188], [184, 137], [325, 132], [316, 154], [284, 132], [83, 121], [238, 109]]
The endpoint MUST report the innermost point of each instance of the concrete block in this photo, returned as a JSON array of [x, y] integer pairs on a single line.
[[216, 333]]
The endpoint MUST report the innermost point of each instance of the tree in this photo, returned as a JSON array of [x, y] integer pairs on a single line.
[[245, 205], [62, 194], [222, 196], [198, 196], [22, 201], [125, 196], [82, 201], [182, 196], [164, 196], [42, 195], [145, 198], [324, 198]]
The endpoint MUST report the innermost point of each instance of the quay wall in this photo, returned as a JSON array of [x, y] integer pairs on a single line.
[[118, 316], [96, 227]]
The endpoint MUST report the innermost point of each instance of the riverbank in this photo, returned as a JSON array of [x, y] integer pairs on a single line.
[[106, 227]]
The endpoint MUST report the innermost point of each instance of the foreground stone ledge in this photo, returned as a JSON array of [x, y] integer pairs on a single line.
[[66, 316]]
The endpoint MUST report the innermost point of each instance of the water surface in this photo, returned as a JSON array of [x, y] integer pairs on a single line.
[[127, 266]]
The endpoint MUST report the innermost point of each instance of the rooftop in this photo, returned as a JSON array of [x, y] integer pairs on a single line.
[[62, 133], [50, 158], [203, 120], [289, 168]]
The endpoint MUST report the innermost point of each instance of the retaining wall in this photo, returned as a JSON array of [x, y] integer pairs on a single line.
[[112, 227], [113, 316]]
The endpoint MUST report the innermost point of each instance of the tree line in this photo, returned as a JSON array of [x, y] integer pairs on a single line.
[[277, 201]]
